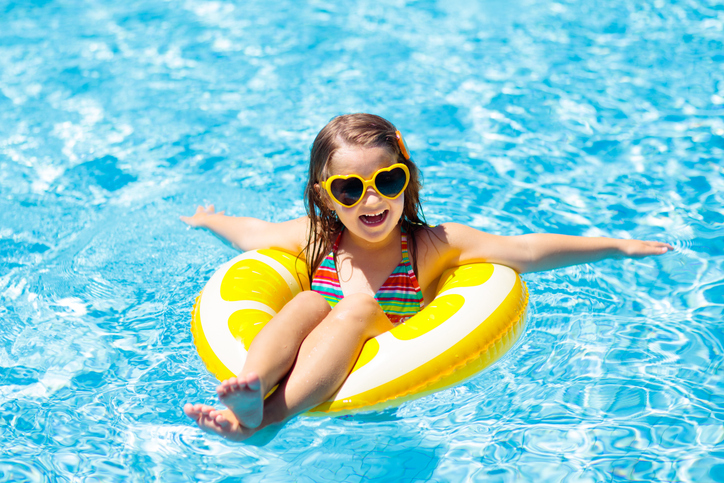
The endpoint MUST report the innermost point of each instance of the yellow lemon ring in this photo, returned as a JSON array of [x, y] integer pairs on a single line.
[[477, 315]]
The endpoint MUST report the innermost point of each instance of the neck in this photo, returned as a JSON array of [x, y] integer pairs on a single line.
[[353, 243]]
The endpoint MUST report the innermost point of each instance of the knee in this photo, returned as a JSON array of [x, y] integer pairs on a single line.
[[358, 311], [311, 302], [359, 302]]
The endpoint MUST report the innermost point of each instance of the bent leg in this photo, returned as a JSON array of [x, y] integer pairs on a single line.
[[326, 357], [275, 347], [270, 357]]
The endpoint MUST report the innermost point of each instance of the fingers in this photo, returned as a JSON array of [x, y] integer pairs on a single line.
[[201, 212], [207, 210], [210, 210], [646, 248], [659, 247], [191, 221]]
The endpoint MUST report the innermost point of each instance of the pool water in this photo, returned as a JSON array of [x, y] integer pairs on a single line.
[[579, 118]]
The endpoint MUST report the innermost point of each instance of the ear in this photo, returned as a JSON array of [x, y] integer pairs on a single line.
[[324, 197]]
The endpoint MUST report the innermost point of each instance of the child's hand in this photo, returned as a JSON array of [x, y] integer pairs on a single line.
[[201, 216], [641, 248]]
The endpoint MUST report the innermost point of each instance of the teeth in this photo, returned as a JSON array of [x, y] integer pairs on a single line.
[[376, 214]]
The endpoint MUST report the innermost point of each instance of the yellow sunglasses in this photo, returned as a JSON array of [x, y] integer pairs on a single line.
[[348, 190]]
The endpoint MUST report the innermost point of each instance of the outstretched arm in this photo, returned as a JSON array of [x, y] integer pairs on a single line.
[[547, 251], [247, 233], [458, 244]]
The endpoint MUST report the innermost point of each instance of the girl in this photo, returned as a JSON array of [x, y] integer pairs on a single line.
[[373, 262]]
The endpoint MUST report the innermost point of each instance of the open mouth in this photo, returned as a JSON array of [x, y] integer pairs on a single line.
[[374, 219]]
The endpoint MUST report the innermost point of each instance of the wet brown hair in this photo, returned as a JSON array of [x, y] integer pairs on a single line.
[[368, 131]]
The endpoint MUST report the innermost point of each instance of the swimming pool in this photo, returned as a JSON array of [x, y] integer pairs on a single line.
[[534, 116]]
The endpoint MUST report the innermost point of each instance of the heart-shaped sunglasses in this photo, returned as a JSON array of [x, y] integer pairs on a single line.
[[348, 190]]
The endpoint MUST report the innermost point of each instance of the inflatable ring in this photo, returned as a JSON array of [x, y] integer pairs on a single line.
[[476, 317]]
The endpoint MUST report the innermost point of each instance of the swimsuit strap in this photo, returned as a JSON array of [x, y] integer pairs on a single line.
[[335, 245], [325, 280]]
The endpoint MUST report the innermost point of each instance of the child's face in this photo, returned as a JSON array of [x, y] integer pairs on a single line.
[[375, 217]]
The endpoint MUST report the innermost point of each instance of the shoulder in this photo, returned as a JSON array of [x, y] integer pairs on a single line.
[[436, 248], [449, 237], [451, 244], [435, 251]]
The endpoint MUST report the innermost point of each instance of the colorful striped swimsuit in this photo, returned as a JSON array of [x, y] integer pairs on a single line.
[[399, 297]]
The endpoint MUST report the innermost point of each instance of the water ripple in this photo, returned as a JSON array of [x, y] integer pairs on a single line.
[[526, 116]]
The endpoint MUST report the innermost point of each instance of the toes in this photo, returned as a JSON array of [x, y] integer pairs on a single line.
[[207, 421], [205, 410], [212, 421], [223, 422], [227, 386], [208, 425], [236, 384], [197, 410], [190, 411]]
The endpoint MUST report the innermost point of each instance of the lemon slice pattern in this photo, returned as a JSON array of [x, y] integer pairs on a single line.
[[476, 317]]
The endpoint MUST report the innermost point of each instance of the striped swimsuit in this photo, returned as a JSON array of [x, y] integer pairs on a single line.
[[399, 297]]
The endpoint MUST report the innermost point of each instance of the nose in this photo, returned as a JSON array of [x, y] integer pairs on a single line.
[[371, 195]]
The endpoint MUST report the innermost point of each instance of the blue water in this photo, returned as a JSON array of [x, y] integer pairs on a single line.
[[583, 118]]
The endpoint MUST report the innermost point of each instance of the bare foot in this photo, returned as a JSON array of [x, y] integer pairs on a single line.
[[244, 398], [223, 422]]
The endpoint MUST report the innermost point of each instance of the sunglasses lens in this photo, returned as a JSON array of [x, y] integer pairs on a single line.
[[347, 191], [391, 183]]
